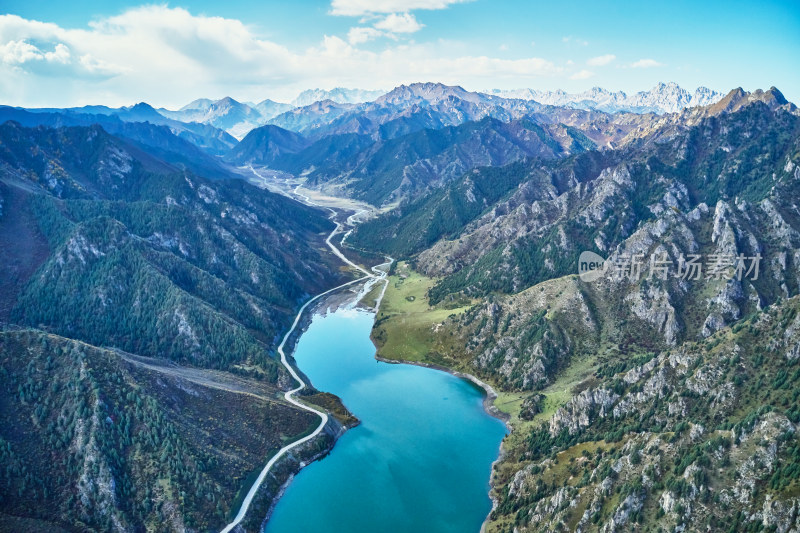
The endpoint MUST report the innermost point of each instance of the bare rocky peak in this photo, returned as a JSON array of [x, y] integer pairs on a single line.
[[663, 98], [430, 93], [339, 95], [739, 98]]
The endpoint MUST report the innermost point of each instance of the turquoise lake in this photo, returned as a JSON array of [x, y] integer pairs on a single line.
[[420, 460]]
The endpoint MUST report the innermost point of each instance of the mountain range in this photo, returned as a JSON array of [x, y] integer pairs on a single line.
[[636, 402], [227, 114], [146, 286], [238, 118], [339, 95], [663, 98], [191, 280], [430, 113]]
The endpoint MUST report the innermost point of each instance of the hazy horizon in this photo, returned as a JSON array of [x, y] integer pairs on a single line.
[[119, 53]]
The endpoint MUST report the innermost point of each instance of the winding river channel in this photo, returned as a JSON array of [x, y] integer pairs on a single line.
[[421, 458]]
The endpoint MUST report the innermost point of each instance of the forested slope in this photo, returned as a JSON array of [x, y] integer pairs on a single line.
[[109, 247]]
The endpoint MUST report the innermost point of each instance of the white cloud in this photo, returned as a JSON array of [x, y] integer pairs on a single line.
[[582, 75], [21, 52], [646, 63], [570, 39], [95, 66], [601, 61], [388, 26], [53, 59], [18, 52], [357, 8], [361, 34], [60, 54], [395, 23], [168, 56]]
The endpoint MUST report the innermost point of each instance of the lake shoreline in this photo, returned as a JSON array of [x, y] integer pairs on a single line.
[[474, 390], [300, 464], [351, 297], [489, 394]]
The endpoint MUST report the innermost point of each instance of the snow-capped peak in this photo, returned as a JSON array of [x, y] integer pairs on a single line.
[[339, 95], [663, 98]]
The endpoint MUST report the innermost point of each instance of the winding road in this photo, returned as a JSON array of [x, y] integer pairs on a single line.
[[376, 275]]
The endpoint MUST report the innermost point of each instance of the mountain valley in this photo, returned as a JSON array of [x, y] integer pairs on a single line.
[[150, 275]]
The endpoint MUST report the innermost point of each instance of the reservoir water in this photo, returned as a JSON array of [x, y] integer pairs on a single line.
[[421, 458]]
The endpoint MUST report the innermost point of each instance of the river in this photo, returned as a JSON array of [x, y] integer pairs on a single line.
[[420, 460]]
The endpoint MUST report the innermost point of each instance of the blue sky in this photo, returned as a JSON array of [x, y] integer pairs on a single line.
[[118, 53]]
